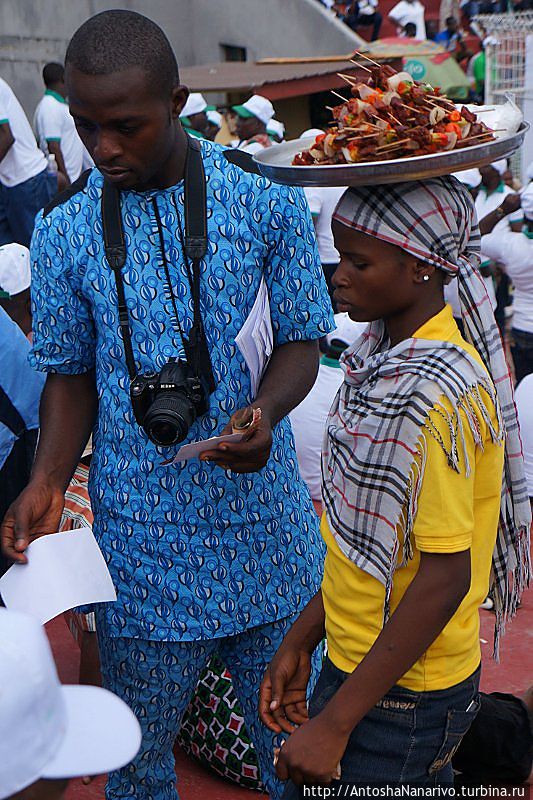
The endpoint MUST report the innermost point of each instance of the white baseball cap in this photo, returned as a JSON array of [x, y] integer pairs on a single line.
[[470, 177], [500, 166], [256, 106], [15, 272], [214, 117], [276, 127], [195, 105], [48, 730], [347, 330]]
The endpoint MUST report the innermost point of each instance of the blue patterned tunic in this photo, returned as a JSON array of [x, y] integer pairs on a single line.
[[195, 552]]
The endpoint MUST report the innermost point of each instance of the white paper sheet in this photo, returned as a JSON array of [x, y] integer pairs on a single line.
[[64, 570], [255, 339], [195, 449]]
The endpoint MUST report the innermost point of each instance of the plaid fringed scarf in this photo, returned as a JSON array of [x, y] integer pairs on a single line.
[[370, 475]]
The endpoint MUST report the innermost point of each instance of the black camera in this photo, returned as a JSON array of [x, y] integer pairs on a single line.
[[166, 404]]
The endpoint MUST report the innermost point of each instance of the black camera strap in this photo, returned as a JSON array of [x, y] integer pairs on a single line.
[[194, 246]]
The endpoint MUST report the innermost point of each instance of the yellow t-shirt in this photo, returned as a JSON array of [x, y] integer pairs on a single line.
[[455, 513]]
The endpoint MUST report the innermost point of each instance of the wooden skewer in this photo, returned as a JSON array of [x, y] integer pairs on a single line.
[[391, 150], [330, 108], [360, 138], [348, 128], [362, 55], [397, 121], [479, 136], [370, 124], [393, 144], [344, 100], [447, 103], [347, 78], [360, 65]]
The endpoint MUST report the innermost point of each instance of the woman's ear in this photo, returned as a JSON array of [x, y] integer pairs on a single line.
[[423, 272]]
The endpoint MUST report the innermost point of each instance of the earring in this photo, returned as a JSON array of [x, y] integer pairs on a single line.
[[426, 278]]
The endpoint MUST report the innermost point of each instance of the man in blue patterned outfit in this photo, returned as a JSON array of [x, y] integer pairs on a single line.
[[213, 555]]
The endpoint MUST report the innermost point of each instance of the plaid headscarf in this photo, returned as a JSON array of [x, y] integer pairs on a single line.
[[371, 476]]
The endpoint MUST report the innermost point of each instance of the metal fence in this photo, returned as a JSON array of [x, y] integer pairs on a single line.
[[505, 66]]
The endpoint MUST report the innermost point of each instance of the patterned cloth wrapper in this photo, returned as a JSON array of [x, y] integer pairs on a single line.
[[213, 729], [77, 513], [370, 478]]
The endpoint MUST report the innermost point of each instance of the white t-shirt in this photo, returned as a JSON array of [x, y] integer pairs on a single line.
[[515, 252], [308, 421], [52, 122], [485, 204], [23, 160], [404, 12], [524, 406], [323, 201]]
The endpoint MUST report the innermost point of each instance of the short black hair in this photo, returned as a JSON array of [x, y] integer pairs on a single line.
[[53, 73], [117, 40]]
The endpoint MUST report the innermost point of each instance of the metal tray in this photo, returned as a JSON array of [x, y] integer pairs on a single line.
[[275, 163]]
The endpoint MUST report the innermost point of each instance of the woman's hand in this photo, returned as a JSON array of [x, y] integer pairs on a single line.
[[283, 692], [312, 754]]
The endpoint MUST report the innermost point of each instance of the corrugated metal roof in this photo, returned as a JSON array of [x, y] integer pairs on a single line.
[[234, 76]]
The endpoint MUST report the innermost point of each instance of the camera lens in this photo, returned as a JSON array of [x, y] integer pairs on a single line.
[[169, 418]]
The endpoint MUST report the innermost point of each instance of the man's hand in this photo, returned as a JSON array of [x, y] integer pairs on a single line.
[[36, 512], [249, 455], [283, 692], [312, 754]]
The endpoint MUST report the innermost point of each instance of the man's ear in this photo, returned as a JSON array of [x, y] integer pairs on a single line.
[[179, 97]]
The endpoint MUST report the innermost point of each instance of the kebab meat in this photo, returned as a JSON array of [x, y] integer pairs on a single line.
[[393, 116]]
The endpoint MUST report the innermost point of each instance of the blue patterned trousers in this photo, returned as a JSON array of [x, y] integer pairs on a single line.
[[157, 680]]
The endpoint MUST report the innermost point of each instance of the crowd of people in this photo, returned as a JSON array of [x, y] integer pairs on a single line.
[[385, 393], [455, 28]]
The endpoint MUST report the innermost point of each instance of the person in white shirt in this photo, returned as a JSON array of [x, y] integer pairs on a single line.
[[524, 407], [514, 251], [252, 120], [323, 201], [362, 13], [54, 126], [308, 420], [409, 11], [24, 185], [471, 178], [276, 131], [214, 124], [490, 196], [193, 115]]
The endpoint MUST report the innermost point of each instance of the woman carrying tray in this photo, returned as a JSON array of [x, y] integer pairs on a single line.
[[425, 499]]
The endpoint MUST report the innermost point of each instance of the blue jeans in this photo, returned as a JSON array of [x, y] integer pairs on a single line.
[[157, 680], [407, 738], [20, 204]]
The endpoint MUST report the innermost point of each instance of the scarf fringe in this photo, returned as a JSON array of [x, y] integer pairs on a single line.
[[506, 593], [505, 590]]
